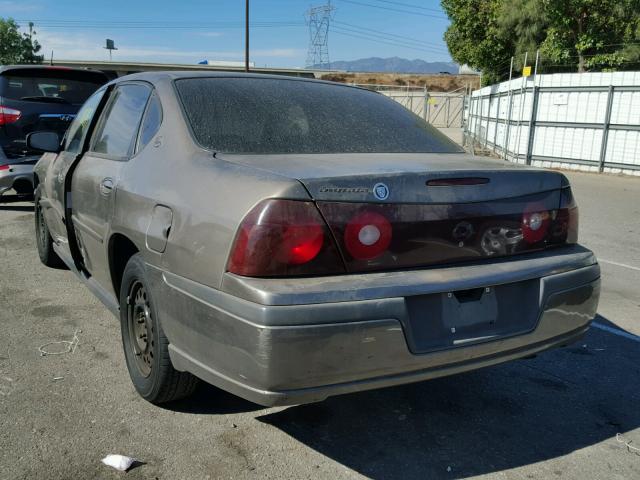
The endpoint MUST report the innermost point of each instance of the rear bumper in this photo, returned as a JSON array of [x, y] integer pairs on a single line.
[[299, 353]]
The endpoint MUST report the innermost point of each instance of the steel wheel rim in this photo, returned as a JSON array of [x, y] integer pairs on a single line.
[[42, 228], [141, 328]]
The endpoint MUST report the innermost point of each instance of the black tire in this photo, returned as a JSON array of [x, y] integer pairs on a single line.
[[44, 242], [145, 344], [23, 188]]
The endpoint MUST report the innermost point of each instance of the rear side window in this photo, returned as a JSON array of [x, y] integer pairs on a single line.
[[263, 115], [150, 123], [78, 128], [50, 85], [119, 124]]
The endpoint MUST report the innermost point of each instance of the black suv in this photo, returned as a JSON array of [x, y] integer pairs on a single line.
[[34, 97]]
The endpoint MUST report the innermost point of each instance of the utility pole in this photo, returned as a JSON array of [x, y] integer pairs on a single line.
[[246, 37]]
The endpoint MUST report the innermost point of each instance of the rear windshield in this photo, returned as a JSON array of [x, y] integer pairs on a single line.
[[50, 85], [258, 115]]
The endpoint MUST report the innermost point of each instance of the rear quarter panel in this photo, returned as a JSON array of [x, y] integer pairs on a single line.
[[208, 198]]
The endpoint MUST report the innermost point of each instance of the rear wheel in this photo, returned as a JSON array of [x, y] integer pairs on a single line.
[[145, 344], [47, 254]]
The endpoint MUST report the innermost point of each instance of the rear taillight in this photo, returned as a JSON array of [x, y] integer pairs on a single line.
[[552, 226], [564, 228], [367, 235], [535, 223], [4, 167], [283, 238], [9, 115]]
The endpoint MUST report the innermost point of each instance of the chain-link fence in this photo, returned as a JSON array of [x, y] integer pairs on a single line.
[[587, 121]]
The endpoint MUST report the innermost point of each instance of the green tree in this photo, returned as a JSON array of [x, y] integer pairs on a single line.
[[523, 25], [578, 35], [588, 34], [474, 36], [16, 47]]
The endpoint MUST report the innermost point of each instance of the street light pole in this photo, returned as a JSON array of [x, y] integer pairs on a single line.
[[246, 37]]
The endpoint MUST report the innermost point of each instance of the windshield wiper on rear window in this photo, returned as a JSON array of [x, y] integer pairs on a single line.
[[36, 98]]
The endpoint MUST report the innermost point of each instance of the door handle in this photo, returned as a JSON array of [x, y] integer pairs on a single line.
[[106, 186]]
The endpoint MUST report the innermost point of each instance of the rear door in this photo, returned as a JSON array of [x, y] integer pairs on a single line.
[[95, 178], [54, 182], [38, 99]]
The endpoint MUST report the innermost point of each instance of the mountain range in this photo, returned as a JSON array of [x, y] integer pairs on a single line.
[[392, 64]]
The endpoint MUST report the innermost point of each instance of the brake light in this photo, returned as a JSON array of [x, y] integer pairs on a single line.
[[367, 235], [283, 238], [565, 226], [4, 167], [9, 115], [535, 223]]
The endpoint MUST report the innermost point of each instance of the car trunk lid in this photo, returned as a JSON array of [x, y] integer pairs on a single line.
[[408, 178], [392, 211]]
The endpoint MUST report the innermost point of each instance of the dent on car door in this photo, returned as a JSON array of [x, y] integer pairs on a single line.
[[54, 182], [95, 178]]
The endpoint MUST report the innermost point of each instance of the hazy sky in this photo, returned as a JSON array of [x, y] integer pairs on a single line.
[[192, 30]]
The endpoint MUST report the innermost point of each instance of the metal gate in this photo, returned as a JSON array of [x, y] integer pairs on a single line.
[[441, 109], [445, 109]]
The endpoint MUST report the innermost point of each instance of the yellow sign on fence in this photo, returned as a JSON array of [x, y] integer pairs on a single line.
[[526, 72]]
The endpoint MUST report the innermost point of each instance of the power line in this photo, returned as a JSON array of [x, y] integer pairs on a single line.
[[391, 41], [156, 25], [441, 17], [410, 5], [371, 39], [401, 37]]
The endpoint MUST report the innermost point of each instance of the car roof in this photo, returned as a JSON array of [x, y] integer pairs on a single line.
[[159, 76]]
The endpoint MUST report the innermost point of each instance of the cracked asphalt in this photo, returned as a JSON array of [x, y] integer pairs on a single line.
[[555, 416]]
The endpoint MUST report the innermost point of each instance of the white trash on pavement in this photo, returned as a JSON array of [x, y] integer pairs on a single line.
[[119, 462]]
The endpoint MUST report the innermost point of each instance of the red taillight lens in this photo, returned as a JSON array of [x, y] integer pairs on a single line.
[[565, 226], [535, 223], [367, 235], [283, 238], [4, 167], [9, 115]]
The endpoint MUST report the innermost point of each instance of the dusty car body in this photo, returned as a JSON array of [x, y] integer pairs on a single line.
[[287, 240]]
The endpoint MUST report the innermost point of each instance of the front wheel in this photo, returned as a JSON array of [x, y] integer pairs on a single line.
[[47, 254], [145, 344]]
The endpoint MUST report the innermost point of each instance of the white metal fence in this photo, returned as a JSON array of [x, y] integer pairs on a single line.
[[586, 121]]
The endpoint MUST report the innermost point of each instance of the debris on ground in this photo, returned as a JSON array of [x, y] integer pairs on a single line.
[[70, 345], [627, 443], [119, 462]]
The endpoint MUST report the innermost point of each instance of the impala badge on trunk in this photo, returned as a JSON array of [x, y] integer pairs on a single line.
[[381, 191]]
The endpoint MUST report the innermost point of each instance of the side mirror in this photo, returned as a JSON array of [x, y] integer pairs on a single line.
[[44, 141]]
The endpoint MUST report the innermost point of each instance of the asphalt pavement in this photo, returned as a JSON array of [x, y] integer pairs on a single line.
[[564, 414]]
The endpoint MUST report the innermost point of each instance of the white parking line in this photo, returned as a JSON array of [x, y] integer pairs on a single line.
[[624, 265], [616, 331]]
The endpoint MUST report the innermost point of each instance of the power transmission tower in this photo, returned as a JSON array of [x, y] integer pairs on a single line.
[[318, 18]]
